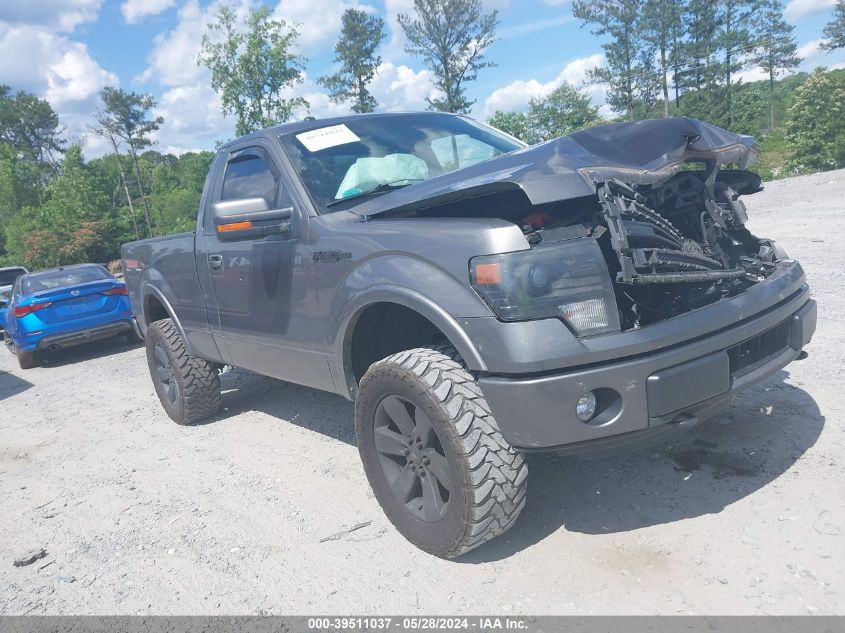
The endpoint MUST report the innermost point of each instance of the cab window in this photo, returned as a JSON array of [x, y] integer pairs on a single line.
[[248, 175]]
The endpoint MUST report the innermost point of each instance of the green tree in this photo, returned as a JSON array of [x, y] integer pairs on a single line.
[[660, 24], [563, 111], [107, 130], [630, 73], [72, 226], [31, 126], [9, 203], [816, 124], [126, 115], [834, 31], [251, 67], [452, 37], [735, 42], [750, 105], [776, 52], [698, 72], [513, 123], [355, 51]]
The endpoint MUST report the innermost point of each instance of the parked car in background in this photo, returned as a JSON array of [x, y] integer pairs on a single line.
[[7, 279], [62, 307]]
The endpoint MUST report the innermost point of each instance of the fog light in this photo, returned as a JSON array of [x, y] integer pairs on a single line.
[[585, 408]]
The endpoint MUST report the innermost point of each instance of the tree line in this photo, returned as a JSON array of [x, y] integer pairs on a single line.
[[663, 58], [57, 208]]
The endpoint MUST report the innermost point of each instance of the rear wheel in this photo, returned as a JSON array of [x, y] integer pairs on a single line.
[[188, 387], [433, 454], [26, 360]]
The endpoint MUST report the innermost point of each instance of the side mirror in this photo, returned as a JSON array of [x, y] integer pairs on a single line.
[[249, 218]]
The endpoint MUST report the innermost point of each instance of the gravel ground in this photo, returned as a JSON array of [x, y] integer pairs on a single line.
[[137, 515]]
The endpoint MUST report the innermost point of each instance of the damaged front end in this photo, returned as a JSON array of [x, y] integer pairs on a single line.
[[628, 224], [682, 245], [672, 239], [656, 252]]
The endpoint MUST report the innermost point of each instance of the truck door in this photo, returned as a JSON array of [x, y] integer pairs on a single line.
[[257, 281]]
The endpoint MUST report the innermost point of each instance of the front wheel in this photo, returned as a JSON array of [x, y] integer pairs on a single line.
[[433, 453], [188, 387]]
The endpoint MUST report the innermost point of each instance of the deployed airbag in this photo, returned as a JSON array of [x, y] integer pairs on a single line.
[[370, 172]]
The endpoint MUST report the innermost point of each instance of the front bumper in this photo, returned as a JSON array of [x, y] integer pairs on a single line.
[[651, 393]]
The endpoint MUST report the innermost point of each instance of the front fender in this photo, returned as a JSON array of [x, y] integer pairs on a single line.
[[415, 284]]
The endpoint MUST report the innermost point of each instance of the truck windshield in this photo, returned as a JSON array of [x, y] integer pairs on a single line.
[[371, 155]]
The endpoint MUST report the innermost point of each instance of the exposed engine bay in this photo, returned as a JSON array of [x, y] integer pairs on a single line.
[[671, 248], [629, 223]]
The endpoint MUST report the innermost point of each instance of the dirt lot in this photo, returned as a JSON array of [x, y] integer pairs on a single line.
[[138, 515]]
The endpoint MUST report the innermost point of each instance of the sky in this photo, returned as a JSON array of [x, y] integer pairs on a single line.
[[66, 51]]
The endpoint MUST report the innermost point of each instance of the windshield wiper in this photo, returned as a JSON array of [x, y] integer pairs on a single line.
[[382, 188]]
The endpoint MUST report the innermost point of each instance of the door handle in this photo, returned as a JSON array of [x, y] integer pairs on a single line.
[[215, 263]]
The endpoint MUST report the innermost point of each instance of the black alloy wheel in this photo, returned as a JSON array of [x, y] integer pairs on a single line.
[[188, 387], [164, 374], [412, 458], [433, 453]]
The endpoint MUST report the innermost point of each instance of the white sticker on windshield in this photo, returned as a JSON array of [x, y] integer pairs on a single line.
[[326, 137]]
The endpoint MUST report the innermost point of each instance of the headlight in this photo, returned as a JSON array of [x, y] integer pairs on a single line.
[[567, 280]]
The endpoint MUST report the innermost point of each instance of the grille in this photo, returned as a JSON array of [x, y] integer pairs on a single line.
[[745, 356]]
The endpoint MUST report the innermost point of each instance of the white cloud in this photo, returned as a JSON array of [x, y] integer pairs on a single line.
[[797, 9], [54, 68], [809, 52], [136, 10], [556, 3], [193, 119], [396, 88], [173, 60], [395, 47], [191, 109], [319, 21], [399, 87], [37, 56], [52, 15], [517, 94], [750, 74]]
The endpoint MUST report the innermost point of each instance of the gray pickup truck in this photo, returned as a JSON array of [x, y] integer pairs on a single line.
[[476, 298]]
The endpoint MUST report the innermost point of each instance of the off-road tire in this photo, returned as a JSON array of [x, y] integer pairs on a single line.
[[489, 477], [197, 382]]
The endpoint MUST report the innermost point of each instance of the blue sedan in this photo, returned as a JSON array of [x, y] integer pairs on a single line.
[[63, 307]]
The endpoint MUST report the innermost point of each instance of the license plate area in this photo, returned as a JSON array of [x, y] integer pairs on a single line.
[[751, 353], [678, 387]]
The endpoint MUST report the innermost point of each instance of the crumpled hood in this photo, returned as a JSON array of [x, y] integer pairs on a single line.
[[636, 152]]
